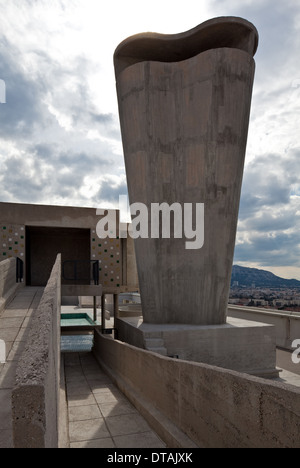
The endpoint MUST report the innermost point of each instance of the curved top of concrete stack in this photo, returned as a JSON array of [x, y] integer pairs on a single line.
[[232, 32]]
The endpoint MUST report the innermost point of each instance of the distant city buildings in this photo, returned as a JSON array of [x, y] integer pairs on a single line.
[[270, 298]]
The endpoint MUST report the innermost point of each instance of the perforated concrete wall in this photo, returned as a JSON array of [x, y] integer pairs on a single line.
[[12, 241], [109, 254]]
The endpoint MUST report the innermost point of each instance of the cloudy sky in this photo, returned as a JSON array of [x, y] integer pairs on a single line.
[[60, 139]]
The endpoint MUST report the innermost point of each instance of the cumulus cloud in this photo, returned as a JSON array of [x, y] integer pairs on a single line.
[[56, 136], [60, 139], [269, 221], [23, 106]]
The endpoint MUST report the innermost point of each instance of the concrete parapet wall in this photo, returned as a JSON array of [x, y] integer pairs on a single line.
[[287, 324], [8, 285], [213, 407], [35, 397], [240, 345]]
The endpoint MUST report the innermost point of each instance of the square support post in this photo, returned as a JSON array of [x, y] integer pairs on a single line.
[[116, 309], [95, 308], [103, 312]]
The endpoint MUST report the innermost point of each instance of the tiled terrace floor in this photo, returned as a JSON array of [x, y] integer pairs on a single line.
[[100, 416]]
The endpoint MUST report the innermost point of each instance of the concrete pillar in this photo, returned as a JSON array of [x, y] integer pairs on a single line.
[[103, 325], [184, 104], [116, 309]]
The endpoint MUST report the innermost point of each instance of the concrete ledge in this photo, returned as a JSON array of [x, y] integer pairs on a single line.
[[287, 324], [9, 296], [63, 426], [240, 345], [212, 407], [81, 290], [8, 285], [215, 33], [35, 397]]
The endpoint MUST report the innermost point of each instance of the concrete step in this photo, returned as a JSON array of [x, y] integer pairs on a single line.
[[153, 335], [154, 343], [162, 351]]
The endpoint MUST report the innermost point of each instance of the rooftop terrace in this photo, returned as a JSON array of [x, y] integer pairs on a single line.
[[93, 411]]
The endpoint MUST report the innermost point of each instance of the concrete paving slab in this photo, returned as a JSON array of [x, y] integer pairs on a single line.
[[127, 424], [92, 444], [6, 440], [8, 375], [98, 384], [16, 350], [81, 400], [78, 389], [14, 313], [102, 418], [26, 322], [71, 360], [9, 334], [5, 409], [75, 376], [108, 397], [88, 430], [116, 409], [22, 335], [11, 323], [84, 413], [20, 303], [144, 440], [8, 347]]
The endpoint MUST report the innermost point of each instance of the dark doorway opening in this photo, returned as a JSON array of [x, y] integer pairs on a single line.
[[43, 244]]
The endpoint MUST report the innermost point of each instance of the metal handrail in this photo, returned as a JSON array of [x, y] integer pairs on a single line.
[[76, 276]]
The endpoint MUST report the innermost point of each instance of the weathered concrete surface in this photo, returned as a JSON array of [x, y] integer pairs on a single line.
[[8, 285], [225, 31], [81, 290], [240, 345], [35, 397], [287, 324], [214, 407], [184, 115], [48, 216]]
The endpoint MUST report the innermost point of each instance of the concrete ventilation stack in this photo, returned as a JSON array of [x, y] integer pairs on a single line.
[[184, 105]]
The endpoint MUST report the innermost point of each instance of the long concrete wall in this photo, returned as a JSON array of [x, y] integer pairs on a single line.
[[35, 397], [213, 407], [287, 324], [8, 285]]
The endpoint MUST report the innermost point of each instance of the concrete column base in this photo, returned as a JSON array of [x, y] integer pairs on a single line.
[[240, 345]]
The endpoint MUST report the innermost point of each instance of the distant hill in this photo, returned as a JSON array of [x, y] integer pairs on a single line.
[[261, 278]]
